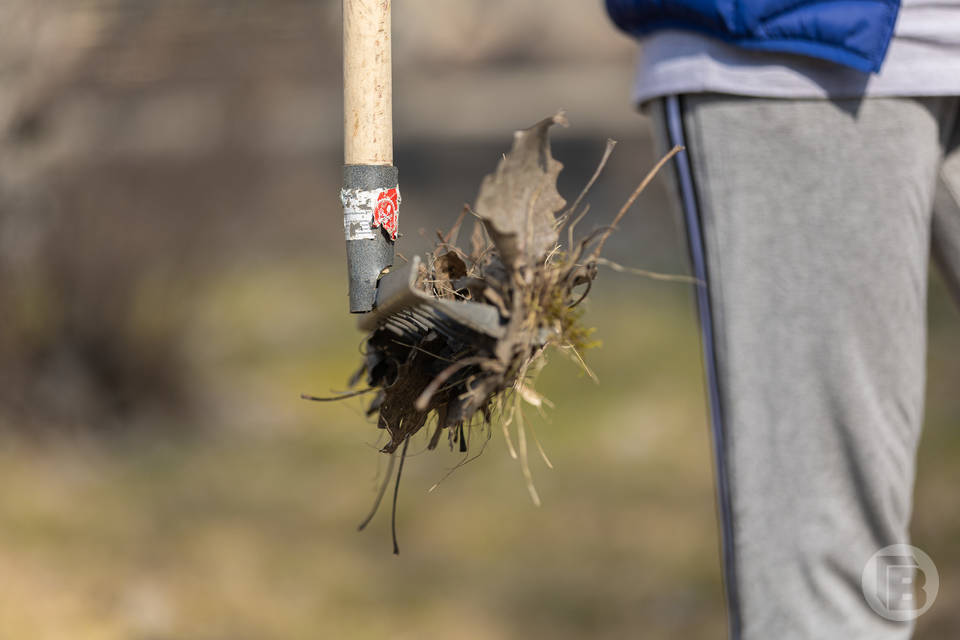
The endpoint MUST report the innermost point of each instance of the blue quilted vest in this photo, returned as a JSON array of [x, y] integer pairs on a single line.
[[854, 33]]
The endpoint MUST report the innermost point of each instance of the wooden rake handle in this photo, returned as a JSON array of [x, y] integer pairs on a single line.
[[370, 195], [367, 83]]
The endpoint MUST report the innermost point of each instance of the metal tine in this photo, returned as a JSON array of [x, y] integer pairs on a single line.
[[401, 305]]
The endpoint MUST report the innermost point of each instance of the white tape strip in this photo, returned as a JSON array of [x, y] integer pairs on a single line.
[[365, 211], [358, 213]]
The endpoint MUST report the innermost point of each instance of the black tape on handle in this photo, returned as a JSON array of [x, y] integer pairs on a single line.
[[370, 249]]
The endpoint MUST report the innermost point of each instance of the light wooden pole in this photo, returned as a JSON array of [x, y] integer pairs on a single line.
[[367, 83]]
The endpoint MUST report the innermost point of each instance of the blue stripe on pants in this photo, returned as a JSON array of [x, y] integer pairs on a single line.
[[675, 134]]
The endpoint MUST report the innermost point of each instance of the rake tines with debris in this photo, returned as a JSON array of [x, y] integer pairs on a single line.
[[459, 335]]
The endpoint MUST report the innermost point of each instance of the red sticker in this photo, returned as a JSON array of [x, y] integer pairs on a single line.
[[386, 211]]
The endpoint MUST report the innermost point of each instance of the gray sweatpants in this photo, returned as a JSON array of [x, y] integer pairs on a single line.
[[813, 222]]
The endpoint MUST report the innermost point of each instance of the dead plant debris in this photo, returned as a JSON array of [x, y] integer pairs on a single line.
[[460, 380]]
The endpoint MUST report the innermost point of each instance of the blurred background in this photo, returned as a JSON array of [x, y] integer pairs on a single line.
[[172, 278]]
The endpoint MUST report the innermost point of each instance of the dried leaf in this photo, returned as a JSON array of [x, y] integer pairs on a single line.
[[519, 201], [450, 265], [447, 268]]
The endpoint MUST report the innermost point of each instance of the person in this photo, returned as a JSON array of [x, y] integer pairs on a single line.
[[822, 162]]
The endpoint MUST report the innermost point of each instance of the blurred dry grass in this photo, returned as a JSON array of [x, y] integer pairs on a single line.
[[251, 533], [168, 180]]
